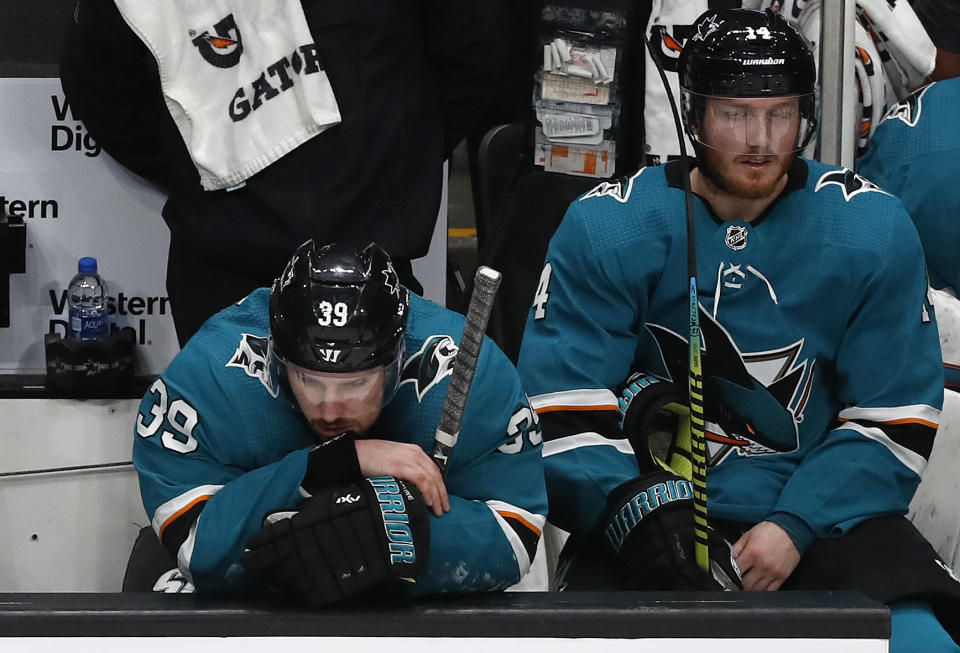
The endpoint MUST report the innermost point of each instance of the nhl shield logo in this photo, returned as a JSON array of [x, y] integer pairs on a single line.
[[736, 238]]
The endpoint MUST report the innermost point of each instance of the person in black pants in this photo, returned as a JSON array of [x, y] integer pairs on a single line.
[[407, 80]]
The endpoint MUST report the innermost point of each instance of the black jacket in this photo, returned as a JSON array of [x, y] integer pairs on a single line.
[[410, 77]]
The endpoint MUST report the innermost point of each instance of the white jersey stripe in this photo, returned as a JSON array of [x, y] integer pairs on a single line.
[[589, 439], [583, 398], [912, 413], [519, 551], [185, 554], [533, 519], [913, 461], [179, 504]]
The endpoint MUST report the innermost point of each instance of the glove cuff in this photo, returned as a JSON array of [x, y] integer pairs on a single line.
[[332, 464], [405, 527], [630, 503], [642, 407]]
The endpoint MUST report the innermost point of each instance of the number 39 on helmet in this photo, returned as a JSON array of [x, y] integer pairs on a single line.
[[336, 309]]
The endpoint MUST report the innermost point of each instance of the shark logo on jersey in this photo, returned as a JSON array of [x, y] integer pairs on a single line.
[[251, 357], [909, 109], [619, 190], [754, 401], [430, 365], [849, 182]]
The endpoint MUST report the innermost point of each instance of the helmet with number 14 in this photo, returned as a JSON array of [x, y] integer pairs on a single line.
[[337, 322], [749, 97]]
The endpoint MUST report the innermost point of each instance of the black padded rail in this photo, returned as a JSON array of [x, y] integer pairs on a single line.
[[36, 386], [619, 615]]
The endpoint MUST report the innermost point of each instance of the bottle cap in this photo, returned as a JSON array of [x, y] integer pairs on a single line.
[[87, 265]]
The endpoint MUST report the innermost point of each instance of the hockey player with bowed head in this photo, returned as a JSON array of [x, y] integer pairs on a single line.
[[820, 358], [285, 445]]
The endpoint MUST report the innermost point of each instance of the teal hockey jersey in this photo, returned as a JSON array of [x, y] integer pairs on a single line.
[[218, 446], [817, 335], [915, 154]]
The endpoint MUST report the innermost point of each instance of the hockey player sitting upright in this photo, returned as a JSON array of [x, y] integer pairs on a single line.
[[821, 364], [285, 445], [913, 155]]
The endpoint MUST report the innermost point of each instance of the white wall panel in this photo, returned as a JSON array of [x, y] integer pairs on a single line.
[[76, 201], [935, 510], [67, 531]]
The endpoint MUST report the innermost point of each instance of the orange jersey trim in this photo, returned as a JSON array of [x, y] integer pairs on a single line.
[[905, 420], [519, 518], [180, 512], [550, 409]]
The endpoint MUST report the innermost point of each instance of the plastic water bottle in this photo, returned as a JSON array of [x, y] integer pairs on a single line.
[[87, 299]]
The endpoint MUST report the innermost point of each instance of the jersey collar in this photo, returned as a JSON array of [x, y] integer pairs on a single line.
[[796, 180]]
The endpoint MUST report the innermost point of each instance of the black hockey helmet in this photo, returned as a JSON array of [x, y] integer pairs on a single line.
[[338, 310], [742, 53]]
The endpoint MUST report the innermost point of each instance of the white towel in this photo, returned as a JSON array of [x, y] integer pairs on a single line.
[[868, 67], [898, 33], [660, 131], [905, 38], [241, 79]]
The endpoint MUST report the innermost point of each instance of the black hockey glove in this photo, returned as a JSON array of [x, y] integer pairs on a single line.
[[654, 416], [649, 529], [344, 540]]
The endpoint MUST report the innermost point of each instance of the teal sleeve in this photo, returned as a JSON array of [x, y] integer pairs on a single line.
[[578, 346], [203, 508], [932, 198], [890, 388], [498, 500]]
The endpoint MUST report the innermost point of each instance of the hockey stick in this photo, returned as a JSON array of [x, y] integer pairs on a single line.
[[698, 446], [485, 285]]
